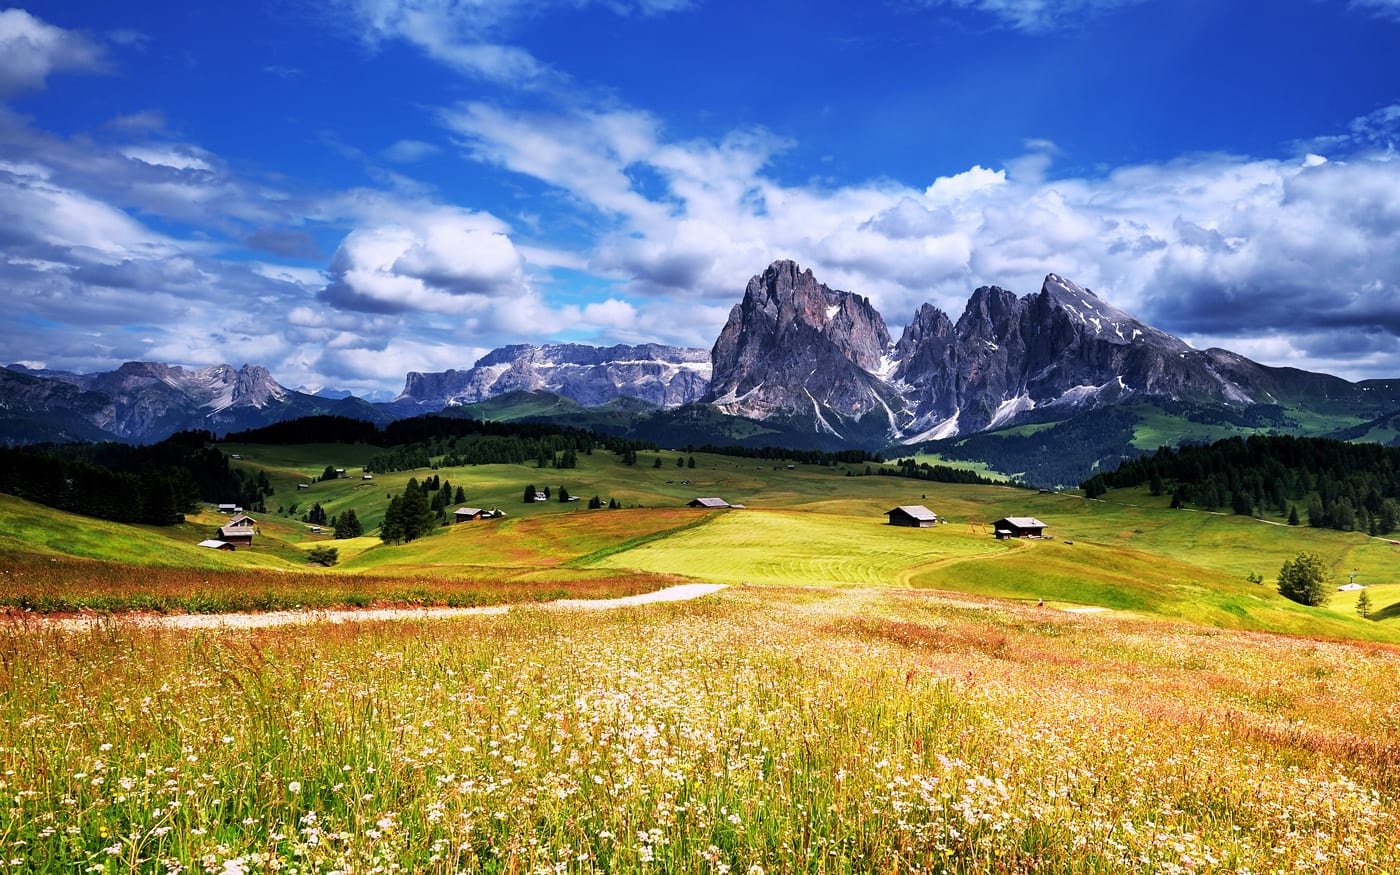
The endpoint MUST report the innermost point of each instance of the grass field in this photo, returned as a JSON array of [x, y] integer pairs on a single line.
[[804, 525], [772, 729]]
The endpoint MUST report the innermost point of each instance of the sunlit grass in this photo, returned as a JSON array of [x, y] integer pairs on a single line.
[[773, 547], [787, 730]]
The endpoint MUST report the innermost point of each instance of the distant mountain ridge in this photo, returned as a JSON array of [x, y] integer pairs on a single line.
[[667, 376], [142, 402], [797, 363]]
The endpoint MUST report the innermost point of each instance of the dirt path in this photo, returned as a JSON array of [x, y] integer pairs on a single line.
[[350, 615]]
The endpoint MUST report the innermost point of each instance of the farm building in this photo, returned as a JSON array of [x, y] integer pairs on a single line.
[[213, 544], [465, 514], [366, 476], [1018, 527], [301, 486], [229, 508], [708, 502], [912, 515], [238, 530]]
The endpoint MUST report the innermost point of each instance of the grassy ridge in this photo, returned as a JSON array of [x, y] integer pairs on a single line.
[[772, 729]]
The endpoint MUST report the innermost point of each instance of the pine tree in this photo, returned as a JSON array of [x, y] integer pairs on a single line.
[[1363, 604], [460, 497], [657, 463], [1304, 579], [1292, 515], [418, 516], [563, 495], [612, 504], [347, 525], [690, 463], [391, 530], [529, 495]]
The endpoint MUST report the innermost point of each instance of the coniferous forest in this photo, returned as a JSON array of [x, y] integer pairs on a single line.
[[1318, 481]]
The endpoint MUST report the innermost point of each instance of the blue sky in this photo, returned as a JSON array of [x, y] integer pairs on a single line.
[[347, 191]]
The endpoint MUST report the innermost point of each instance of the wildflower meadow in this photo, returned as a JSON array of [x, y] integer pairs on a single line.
[[760, 730]]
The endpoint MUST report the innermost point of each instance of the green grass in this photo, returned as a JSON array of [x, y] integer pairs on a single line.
[[805, 525], [799, 548]]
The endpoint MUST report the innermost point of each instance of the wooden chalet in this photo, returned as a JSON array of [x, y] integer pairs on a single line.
[[708, 502], [1018, 527], [467, 514], [238, 531], [213, 544], [913, 515]]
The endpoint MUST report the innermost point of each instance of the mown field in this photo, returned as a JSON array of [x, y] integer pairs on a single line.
[[773, 729]]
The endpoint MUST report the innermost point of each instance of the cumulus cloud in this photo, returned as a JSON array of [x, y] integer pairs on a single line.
[[31, 49], [445, 262]]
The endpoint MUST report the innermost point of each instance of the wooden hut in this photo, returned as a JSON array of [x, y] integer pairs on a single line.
[[912, 515]]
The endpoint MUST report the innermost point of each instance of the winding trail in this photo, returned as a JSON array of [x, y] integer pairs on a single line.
[[271, 619]]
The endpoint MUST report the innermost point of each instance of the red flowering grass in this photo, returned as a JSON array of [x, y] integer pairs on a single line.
[[45, 584]]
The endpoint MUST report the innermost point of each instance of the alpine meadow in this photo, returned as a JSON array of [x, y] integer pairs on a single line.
[[568, 437]]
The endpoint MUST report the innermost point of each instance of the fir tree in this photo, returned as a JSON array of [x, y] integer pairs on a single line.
[[347, 525]]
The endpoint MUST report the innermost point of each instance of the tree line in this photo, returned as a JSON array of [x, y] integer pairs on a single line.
[[155, 484], [1338, 485]]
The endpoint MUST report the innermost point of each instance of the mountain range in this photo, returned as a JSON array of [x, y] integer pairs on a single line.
[[796, 363]]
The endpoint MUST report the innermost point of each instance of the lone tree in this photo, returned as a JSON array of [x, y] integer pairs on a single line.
[[1363, 604], [529, 495], [1304, 579]]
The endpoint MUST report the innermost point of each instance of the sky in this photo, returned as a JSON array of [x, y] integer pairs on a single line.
[[344, 191]]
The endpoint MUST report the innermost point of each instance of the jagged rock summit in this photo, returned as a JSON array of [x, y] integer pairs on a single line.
[[794, 348]]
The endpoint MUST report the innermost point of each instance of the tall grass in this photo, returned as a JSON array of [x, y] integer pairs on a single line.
[[764, 730], [46, 585]]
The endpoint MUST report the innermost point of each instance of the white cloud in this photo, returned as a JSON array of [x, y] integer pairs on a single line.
[[175, 157], [31, 49], [471, 36], [1038, 16], [445, 261]]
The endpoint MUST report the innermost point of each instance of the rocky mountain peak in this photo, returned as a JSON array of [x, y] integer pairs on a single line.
[[795, 347]]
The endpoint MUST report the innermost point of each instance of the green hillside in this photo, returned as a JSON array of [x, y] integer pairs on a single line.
[[803, 525]]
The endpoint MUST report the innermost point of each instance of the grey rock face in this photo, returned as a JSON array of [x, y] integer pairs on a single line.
[[663, 375], [798, 349]]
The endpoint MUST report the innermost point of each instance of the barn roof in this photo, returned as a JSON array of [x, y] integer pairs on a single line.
[[467, 511], [917, 511], [1023, 522], [213, 543], [711, 502]]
